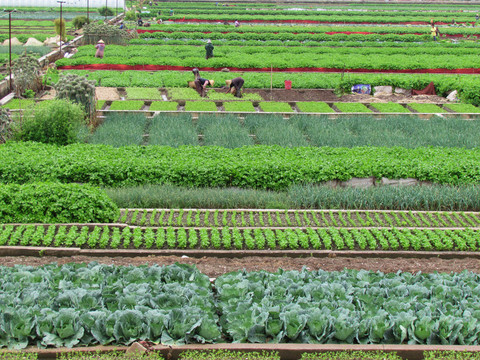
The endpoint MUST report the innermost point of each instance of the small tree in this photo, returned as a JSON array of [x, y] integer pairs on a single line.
[[105, 11], [26, 71], [63, 35], [77, 89], [80, 21]]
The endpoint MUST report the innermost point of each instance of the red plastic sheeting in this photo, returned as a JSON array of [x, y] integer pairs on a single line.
[[184, 68], [429, 90]]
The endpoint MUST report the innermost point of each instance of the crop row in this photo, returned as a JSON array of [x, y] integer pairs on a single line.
[[320, 38], [81, 305], [267, 167], [272, 106], [345, 17], [259, 57], [300, 218], [467, 85], [103, 237], [213, 28]]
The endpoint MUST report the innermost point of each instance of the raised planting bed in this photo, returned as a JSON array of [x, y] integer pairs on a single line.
[[127, 105], [274, 106], [298, 218], [390, 107], [15, 104], [463, 108], [352, 107], [91, 236], [427, 108], [163, 106], [260, 167], [221, 95], [239, 106], [143, 93], [178, 305], [200, 106], [314, 107]]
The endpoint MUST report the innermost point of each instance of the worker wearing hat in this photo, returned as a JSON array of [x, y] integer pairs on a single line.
[[201, 85], [209, 49], [235, 86], [100, 48]]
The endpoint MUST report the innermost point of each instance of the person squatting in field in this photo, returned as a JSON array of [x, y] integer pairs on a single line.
[[201, 85], [100, 48], [235, 86], [209, 49]]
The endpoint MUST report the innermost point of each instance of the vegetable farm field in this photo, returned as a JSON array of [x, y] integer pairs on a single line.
[[332, 211]]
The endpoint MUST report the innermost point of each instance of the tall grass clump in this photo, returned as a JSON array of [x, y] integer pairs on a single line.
[[170, 196], [351, 355], [227, 355], [120, 130], [112, 355], [224, 131], [274, 130], [405, 131], [421, 197], [173, 130]]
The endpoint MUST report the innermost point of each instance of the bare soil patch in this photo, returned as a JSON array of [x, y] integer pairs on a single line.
[[107, 93], [214, 267]]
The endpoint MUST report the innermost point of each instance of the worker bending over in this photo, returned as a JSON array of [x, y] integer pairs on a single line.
[[201, 85], [235, 86]]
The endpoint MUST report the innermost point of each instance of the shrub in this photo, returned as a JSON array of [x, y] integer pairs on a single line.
[[55, 203], [105, 11], [55, 122], [108, 33], [79, 21], [77, 89]]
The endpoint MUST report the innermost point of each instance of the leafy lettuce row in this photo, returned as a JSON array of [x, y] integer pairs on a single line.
[[259, 167]]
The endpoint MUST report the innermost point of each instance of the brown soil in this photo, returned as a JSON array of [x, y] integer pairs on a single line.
[[107, 93], [295, 95], [214, 267], [49, 94]]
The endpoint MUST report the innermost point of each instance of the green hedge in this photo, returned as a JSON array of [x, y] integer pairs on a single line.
[[269, 167], [55, 203]]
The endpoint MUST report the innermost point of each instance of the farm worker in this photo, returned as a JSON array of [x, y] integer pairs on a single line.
[[477, 17], [432, 23], [171, 12], [201, 85], [235, 86], [140, 21], [209, 49], [100, 48], [434, 32], [237, 24], [196, 73]]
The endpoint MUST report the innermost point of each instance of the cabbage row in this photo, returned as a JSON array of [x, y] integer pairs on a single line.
[[267, 167], [350, 307], [78, 304], [98, 304]]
